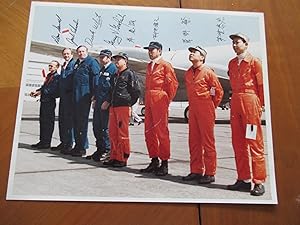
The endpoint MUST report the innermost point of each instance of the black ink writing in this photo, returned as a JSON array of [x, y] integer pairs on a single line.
[[116, 39], [57, 27], [73, 30], [90, 40], [185, 20], [187, 41], [131, 30], [220, 29], [97, 23], [130, 39], [115, 28], [155, 28], [185, 24]]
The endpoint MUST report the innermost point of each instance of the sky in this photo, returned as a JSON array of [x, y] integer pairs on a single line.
[[102, 25]]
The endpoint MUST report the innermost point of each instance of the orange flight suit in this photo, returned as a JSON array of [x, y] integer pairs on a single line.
[[247, 100], [204, 94], [119, 133], [161, 87]]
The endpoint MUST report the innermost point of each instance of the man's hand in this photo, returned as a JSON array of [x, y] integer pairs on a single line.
[[35, 93]]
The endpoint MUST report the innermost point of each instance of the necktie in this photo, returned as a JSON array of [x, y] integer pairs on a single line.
[[64, 65], [49, 78]]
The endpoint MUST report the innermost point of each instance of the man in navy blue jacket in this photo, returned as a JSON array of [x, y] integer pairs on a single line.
[[65, 114], [48, 93], [101, 112], [86, 69]]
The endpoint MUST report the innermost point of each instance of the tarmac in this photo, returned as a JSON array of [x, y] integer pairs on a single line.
[[47, 175]]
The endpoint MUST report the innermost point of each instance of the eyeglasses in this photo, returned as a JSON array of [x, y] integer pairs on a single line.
[[50, 66]]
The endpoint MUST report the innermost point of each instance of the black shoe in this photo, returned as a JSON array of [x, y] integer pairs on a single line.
[[40, 145], [67, 150], [192, 176], [117, 163], [163, 169], [109, 162], [95, 156], [78, 152], [240, 185], [152, 167], [206, 179], [58, 147], [36, 145], [131, 124], [139, 123], [258, 190]]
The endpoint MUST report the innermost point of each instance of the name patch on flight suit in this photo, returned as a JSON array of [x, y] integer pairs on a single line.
[[251, 131]]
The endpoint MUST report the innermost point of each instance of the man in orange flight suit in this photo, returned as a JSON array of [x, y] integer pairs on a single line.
[[204, 94], [247, 102], [161, 87]]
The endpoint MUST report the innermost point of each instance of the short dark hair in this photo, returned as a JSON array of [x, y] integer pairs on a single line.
[[82, 46], [57, 63], [66, 49]]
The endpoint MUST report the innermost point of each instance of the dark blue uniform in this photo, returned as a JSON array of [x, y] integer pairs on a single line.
[[49, 91], [66, 105], [100, 117], [84, 74]]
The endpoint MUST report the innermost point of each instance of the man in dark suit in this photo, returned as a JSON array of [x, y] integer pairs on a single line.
[[65, 104], [48, 93]]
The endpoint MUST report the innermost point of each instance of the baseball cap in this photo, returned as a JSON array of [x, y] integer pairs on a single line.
[[154, 44], [122, 55], [199, 49], [239, 35], [105, 52]]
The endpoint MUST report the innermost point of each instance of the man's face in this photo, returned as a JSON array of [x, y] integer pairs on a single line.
[[53, 67], [82, 52], [120, 62], [239, 46], [67, 54], [195, 56], [154, 53], [103, 59]]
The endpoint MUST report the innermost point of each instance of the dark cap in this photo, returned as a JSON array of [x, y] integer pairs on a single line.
[[122, 55], [105, 52], [239, 35], [199, 49], [154, 44]]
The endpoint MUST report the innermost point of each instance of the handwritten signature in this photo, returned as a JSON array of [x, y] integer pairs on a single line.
[[97, 19], [115, 28], [221, 28], [73, 30], [56, 37], [156, 28]]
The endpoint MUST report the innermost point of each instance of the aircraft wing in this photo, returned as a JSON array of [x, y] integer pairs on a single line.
[[138, 60]]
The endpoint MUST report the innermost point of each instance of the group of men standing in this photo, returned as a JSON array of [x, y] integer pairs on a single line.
[[113, 88]]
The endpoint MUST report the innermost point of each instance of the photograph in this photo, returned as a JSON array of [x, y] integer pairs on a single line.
[[143, 104]]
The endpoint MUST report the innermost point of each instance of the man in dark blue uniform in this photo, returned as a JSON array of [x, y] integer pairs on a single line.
[[65, 114], [48, 93], [101, 112], [86, 69]]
